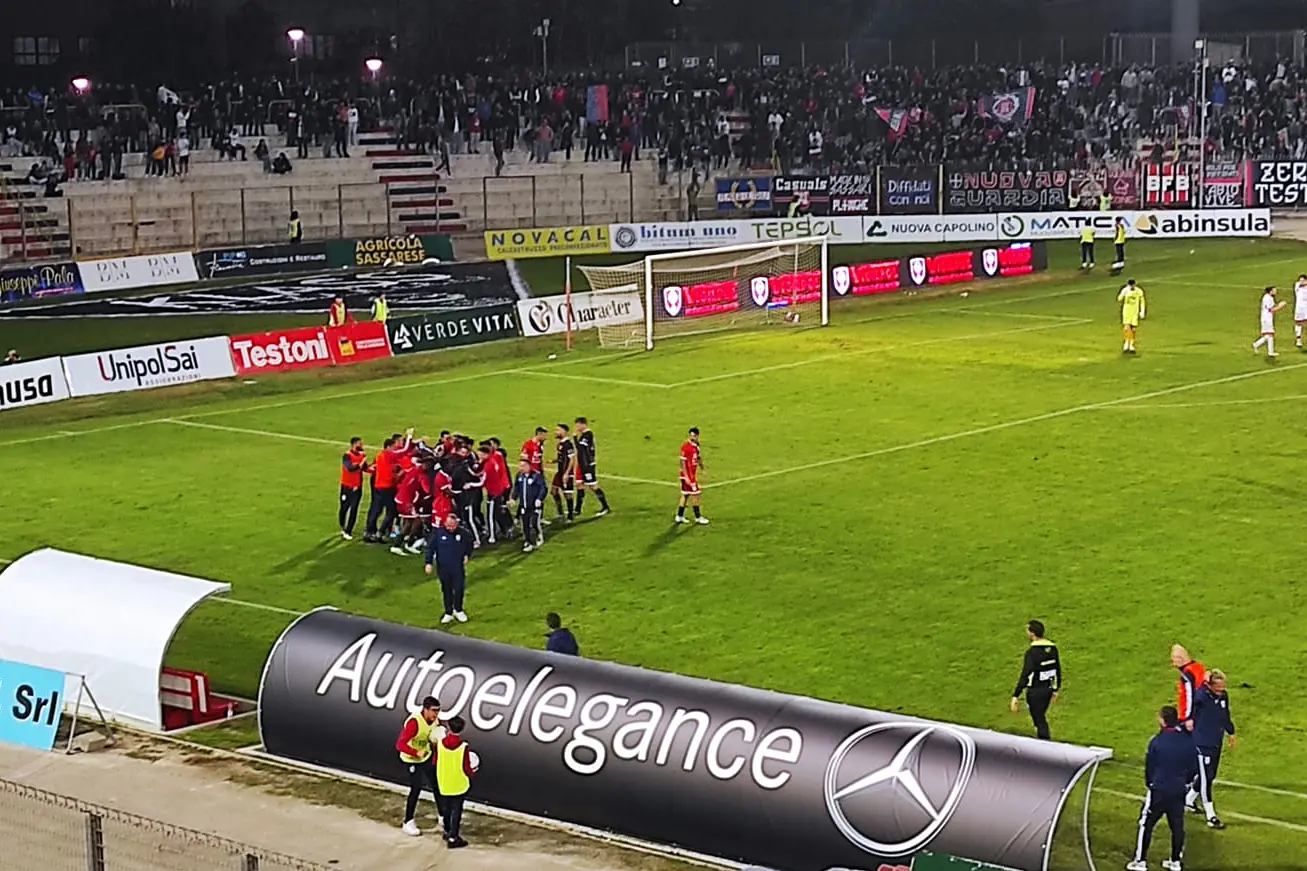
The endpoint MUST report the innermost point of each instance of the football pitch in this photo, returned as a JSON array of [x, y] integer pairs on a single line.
[[891, 497]]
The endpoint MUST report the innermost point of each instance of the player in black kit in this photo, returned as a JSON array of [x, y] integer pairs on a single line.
[[564, 483], [587, 469]]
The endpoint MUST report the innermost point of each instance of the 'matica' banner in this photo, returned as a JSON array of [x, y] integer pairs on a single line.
[[379, 250], [788, 782], [261, 260], [21, 283], [449, 329], [1036, 190]]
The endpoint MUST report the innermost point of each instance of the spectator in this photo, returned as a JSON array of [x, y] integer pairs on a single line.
[[263, 155], [12, 357], [281, 164], [559, 638], [184, 153]]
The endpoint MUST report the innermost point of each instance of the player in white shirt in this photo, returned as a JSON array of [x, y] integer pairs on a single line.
[[1269, 308], [1299, 308]]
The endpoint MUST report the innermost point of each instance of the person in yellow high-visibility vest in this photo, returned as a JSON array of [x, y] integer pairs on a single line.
[[1105, 202], [1118, 239], [380, 309], [1087, 247], [294, 229], [337, 314], [456, 765], [422, 730]]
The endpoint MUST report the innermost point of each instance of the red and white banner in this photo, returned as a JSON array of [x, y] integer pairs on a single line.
[[309, 348], [1168, 184]]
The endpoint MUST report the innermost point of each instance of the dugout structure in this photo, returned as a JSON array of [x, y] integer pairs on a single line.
[[106, 622]]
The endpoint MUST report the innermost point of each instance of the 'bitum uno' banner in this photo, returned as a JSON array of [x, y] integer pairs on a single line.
[[788, 782]]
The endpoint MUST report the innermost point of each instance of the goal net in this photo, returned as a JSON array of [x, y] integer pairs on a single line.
[[715, 289]]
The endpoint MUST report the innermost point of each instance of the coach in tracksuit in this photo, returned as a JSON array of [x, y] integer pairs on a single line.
[[1212, 723], [448, 549], [529, 491], [1168, 770]]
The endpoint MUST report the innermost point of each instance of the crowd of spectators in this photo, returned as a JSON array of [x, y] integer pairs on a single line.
[[830, 119]]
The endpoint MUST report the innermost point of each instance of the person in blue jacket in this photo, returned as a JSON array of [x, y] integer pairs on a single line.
[[1169, 768], [560, 639], [529, 491], [1212, 725]]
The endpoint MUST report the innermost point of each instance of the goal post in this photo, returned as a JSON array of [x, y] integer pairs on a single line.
[[713, 289]]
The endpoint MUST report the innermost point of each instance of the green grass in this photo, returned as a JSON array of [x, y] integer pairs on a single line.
[[966, 464]]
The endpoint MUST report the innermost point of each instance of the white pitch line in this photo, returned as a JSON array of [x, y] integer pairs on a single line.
[[71, 433], [1247, 818], [1010, 424], [841, 355], [595, 378], [1212, 404], [972, 311], [264, 433], [1287, 793], [257, 606]]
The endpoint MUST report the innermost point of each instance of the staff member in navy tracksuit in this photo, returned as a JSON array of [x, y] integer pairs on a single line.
[[448, 548], [529, 490], [1212, 723], [1168, 769]]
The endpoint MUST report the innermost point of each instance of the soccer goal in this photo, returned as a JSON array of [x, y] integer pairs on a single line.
[[740, 286]]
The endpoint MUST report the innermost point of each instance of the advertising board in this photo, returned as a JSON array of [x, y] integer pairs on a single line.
[[678, 236], [32, 383], [548, 315], [163, 365], [547, 242], [708, 766], [380, 250], [927, 229], [1215, 223], [432, 331], [23, 283], [31, 704], [226, 263], [145, 270], [280, 351]]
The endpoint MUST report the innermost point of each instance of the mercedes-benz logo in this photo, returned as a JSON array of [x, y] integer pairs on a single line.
[[891, 788]]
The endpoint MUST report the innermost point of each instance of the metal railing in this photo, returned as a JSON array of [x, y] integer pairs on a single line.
[[44, 830]]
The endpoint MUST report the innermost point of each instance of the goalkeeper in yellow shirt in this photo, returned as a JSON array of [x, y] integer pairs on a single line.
[[1131, 298]]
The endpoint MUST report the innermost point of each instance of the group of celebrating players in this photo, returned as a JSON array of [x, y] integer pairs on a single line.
[[418, 484]]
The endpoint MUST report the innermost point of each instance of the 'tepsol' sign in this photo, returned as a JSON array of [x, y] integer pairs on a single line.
[[707, 766]]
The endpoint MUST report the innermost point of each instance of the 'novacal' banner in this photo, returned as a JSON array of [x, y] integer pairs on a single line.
[[380, 250], [788, 782], [546, 242], [449, 329]]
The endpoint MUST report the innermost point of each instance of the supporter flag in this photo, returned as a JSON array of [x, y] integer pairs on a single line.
[[895, 120], [596, 104], [1012, 107]]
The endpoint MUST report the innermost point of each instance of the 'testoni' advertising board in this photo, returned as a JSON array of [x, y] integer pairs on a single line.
[[707, 766]]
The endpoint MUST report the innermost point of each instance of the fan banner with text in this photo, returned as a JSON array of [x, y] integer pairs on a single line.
[[708, 766]]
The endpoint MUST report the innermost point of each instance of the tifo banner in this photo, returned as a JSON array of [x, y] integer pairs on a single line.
[[744, 195], [926, 229], [1223, 184], [1123, 185], [1009, 107], [1276, 183], [811, 192], [549, 242], [380, 250], [1224, 223], [358, 342], [852, 195], [1043, 190], [31, 704], [676, 236], [707, 766], [146, 270], [261, 260], [549, 315], [1169, 184], [908, 190], [280, 351], [21, 283], [163, 365], [449, 329], [33, 383]]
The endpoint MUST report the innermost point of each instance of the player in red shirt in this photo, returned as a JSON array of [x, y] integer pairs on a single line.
[[533, 451], [411, 498], [497, 485], [442, 497], [691, 463]]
